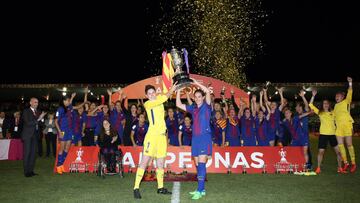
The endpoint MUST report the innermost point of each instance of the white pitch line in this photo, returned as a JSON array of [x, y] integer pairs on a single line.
[[175, 197]]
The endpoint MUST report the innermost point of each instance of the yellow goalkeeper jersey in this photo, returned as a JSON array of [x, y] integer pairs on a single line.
[[156, 115], [327, 121], [342, 109]]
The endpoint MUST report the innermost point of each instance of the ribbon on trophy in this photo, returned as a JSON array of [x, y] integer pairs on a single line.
[[186, 60]]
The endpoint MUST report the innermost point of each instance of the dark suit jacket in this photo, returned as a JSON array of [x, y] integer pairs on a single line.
[[29, 121]]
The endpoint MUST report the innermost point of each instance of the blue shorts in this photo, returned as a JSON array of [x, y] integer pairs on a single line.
[[76, 138], [298, 143], [249, 143], [67, 136], [201, 146], [233, 141], [174, 141], [271, 135], [186, 142], [263, 142]]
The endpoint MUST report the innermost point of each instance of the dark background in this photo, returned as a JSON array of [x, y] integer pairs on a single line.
[[108, 44]]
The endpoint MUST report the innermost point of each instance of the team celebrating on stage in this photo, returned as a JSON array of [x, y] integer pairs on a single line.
[[206, 120]]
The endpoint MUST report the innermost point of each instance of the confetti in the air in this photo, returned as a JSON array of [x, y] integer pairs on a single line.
[[222, 36]]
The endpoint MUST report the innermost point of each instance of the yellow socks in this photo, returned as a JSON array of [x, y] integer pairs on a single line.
[[160, 178], [139, 176], [343, 153], [352, 154]]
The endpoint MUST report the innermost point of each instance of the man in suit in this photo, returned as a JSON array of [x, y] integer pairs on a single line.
[[30, 135], [15, 126]]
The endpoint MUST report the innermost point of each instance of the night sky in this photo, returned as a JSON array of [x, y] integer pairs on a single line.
[[299, 37]]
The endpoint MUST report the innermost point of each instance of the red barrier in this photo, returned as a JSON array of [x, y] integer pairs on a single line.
[[16, 149], [224, 159]]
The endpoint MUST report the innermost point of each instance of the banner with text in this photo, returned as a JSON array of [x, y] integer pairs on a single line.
[[223, 159]]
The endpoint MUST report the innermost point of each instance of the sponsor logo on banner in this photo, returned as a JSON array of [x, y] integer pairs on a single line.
[[283, 165], [81, 159], [79, 153]]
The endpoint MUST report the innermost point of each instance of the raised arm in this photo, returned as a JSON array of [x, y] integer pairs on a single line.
[[242, 107], [123, 107], [86, 90], [72, 97], [212, 97], [109, 93], [253, 105], [350, 91], [171, 90], [268, 112], [233, 100], [261, 101], [311, 105], [265, 96], [302, 95], [304, 114], [190, 102], [225, 110], [86, 103], [226, 106], [96, 109], [314, 92], [282, 100], [160, 99], [140, 102], [79, 106], [205, 89], [179, 103]]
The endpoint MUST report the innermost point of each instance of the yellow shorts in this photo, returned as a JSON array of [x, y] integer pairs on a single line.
[[155, 146], [344, 129]]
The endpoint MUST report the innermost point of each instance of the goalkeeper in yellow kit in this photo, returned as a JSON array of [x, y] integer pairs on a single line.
[[155, 143], [344, 126]]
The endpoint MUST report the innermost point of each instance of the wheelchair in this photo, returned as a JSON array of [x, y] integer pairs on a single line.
[[102, 165]]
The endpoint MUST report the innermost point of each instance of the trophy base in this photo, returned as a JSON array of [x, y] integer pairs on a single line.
[[182, 79]]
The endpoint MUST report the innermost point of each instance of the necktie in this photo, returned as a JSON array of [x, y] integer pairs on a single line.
[[37, 126]]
